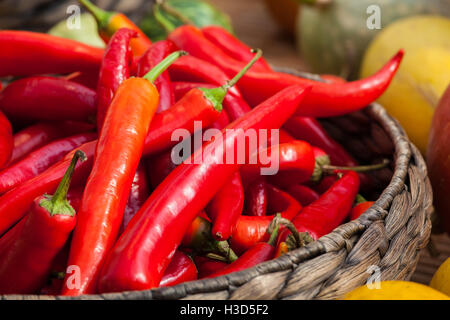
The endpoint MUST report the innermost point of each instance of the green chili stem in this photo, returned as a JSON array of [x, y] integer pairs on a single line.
[[163, 65]]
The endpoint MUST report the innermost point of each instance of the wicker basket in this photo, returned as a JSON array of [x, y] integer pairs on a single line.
[[386, 239]]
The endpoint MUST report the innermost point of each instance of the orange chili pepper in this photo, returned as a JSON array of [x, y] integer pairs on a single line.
[[119, 149], [110, 22]]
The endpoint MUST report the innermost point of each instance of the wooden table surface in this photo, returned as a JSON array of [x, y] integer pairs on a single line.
[[253, 25]]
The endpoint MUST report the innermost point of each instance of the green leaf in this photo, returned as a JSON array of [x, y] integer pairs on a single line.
[[201, 13]]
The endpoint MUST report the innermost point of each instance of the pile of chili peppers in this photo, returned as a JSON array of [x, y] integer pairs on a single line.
[[91, 200]]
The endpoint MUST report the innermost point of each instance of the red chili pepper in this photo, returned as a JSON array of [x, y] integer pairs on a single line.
[[40, 160], [114, 70], [6, 140], [139, 192], [110, 22], [258, 253], [252, 229], [191, 39], [47, 98], [178, 199], [154, 55], [232, 46], [233, 104], [159, 166], [58, 267], [360, 207], [310, 129], [325, 99], [40, 134], [207, 266], [15, 203], [289, 163], [281, 202], [26, 262], [192, 69], [256, 197], [226, 207], [327, 213], [194, 106], [26, 53], [303, 194], [222, 121], [181, 269], [118, 152]]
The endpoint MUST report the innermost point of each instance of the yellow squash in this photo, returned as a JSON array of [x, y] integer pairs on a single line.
[[423, 75], [396, 290]]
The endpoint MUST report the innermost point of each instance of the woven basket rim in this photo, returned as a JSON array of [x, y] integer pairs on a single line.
[[402, 156]]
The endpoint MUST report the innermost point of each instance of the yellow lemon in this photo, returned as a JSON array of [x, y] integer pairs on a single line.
[[441, 278], [423, 75], [396, 290]]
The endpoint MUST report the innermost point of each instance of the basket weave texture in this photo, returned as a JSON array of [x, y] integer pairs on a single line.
[[383, 244]]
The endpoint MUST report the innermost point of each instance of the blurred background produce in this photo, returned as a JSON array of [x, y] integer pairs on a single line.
[[438, 160], [332, 38], [423, 76]]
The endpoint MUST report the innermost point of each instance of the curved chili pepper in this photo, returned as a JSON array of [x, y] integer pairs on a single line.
[[139, 192], [114, 70], [109, 22], [40, 160], [192, 69], [258, 253], [154, 55], [191, 39], [26, 263], [40, 134], [15, 203], [207, 266], [310, 129], [232, 46], [6, 140], [180, 269], [325, 99], [26, 53], [222, 121], [118, 152], [226, 207], [360, 207], [303, 194], [198, 237], [256, 197], [47, 98], [327, 213], [177, 200]]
